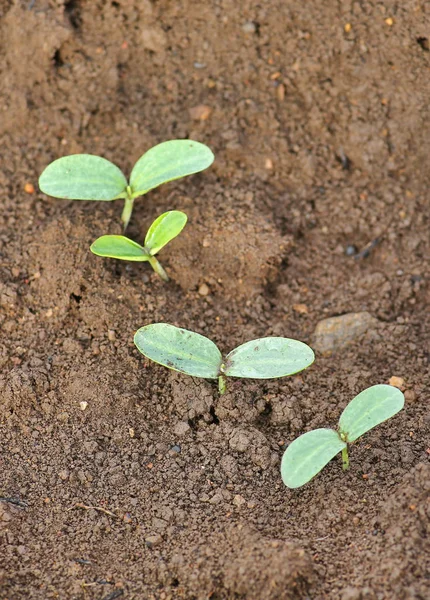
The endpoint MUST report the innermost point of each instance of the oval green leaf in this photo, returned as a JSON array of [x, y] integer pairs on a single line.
[[118, 246], [166, 227], [371, 407], [179, 349], [83, 177], [168, 161], [308, 454], [268, 358]]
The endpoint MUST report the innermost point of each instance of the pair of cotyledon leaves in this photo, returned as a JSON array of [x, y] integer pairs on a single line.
[[166, 227], [309, 453], [196, 355], [89, 177]]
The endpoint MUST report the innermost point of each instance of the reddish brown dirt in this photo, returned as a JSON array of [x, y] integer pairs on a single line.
[[320, 125]]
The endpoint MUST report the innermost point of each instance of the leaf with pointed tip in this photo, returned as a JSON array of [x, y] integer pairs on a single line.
[[308, 454], [166, 227], [83, 177], [267, 358], [119, 246], [168, 161], [179, 349], [371, 407]]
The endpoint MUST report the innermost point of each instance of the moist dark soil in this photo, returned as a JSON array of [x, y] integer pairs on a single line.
[[119, 478]]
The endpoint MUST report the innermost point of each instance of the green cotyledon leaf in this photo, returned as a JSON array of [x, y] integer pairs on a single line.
[[119, 246], [166, 227], [308, 454], [83, 177], [179, 349], [371, 407], [168, 161], [267, 358]]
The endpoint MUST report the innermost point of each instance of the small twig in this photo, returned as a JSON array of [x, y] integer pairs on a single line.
[[344, 160], [98, 582], [99, 508], [82, 561], [15, 501], [368, 248], [364, 253]]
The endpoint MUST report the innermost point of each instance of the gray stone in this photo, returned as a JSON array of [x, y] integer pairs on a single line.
[[337, 332], [153, 540], [351, 593], [181, 428]]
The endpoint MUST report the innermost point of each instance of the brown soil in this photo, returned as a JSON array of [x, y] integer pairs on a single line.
[[319, 119]]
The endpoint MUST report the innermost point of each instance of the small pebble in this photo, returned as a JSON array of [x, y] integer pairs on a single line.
[[410, 396], [181, 428], [111, 335], [176, 448], [351, 250], [280, 92], [351, 593], [153, 540], [302, 309], [204, 290], [397, 382], [239, 501], [200, 112], [249, 27], [83, 405], [347, 28]]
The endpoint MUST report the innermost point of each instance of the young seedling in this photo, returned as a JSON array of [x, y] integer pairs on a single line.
[[196, 355], [166, 227], [309, 453], [89, 177]]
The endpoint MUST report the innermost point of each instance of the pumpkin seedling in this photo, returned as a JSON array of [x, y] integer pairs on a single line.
[[90, 177], [196, 355], [309, 453], [166, 227]]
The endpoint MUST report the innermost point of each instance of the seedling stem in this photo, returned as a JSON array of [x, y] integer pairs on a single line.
[[157, 267], [345, 459], [128, 208], [222, 384]]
